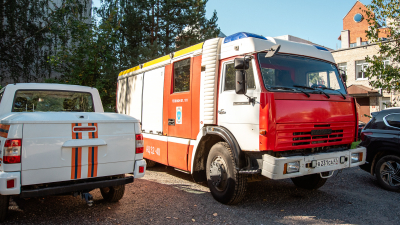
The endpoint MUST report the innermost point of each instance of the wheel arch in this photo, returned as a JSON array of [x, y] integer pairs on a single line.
[[209, 136], [379, 153]]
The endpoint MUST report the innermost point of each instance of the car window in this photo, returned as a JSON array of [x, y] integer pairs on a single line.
[[52, 101], [230, 74], [393, 120]]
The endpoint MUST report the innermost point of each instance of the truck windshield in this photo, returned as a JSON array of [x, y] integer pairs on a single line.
[[52, 101], [288, 72]]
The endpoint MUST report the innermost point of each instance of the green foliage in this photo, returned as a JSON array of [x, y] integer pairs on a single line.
[[89, 57], [384, 13], [44, 40]]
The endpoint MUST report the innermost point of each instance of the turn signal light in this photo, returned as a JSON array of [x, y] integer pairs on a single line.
[[12, 151], [139, 143]]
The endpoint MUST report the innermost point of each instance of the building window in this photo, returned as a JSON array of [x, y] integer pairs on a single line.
[[230, 74], [182, 75], [364, 43], [353, 45], [343, 67], [361, 67], [386, 62]]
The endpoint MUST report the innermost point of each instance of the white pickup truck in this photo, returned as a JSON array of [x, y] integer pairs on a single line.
[[56, 139]]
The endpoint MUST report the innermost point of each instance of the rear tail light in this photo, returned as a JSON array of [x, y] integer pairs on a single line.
[[10, 184], [363, 134], [141, 169], [139, 143], [12, 151]]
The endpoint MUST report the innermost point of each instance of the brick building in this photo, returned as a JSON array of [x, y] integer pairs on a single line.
[[355, 46]]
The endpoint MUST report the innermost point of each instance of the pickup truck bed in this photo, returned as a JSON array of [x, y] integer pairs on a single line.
[[56, 139]]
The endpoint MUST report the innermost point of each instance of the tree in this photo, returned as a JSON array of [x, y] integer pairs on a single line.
[[88, 56], [28, 36], [153, 28], [384, 13]]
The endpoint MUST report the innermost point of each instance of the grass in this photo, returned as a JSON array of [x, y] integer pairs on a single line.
[[354, 144]]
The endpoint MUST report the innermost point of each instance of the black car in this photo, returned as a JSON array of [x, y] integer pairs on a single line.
[[381, 138]]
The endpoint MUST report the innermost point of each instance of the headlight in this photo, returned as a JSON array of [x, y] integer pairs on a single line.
[[356, 157], [292, 167]]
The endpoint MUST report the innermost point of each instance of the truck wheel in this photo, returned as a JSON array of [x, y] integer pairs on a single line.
[[312, 181], [150, 163], [387, 172], [4, 202], [113, 194], [226, 184]]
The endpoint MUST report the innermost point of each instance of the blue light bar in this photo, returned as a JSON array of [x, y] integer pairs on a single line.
[[321, 48], [241, 35]]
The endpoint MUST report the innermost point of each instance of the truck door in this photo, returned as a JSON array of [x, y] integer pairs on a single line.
[[235, 112], [152, 118], [179, 112]]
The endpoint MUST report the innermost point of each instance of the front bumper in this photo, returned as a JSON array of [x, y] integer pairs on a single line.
[[273, 168]]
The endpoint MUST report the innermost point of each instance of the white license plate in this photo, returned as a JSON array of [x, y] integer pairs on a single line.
[[327, 162]]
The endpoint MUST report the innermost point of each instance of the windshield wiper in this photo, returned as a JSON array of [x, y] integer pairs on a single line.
[[291, 89], [344, 97], [311, 88], [305, 87]]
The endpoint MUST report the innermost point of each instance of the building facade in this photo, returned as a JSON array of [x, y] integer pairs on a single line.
[[355, 47]]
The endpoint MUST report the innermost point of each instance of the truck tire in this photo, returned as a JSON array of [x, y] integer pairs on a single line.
[[4, 202], [227, 186], [387, 172], [150, 163], [311, 182]]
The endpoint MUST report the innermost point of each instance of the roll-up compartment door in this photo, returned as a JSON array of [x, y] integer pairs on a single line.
[[153, 88], [134, 96], [121, 98]]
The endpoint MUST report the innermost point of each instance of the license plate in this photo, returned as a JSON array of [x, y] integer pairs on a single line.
[[327, 162]]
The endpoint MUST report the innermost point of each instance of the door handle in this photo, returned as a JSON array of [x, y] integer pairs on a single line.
[[171, 122], [221, 111]]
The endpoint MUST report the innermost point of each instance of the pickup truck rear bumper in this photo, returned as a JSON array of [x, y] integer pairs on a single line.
[[90, 185], [274, 168]]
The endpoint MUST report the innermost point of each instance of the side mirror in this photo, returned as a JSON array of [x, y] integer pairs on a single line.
[[241, 64], [241, 82]]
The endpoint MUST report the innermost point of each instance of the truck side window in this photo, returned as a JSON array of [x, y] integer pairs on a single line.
[[229, 83], [393, 120], [182, 75]]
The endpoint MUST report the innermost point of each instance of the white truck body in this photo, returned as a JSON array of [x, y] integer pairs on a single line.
[[66, 148]]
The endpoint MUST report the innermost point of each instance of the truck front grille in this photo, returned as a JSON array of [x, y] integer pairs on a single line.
[[295, 136]]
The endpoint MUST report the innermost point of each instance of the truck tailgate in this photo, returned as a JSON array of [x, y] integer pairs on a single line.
[[53, 152]]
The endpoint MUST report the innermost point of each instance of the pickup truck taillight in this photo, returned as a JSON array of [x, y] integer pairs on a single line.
[[139, 143], [12, 151]]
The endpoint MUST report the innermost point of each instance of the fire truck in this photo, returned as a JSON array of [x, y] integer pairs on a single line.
[[241, 108]]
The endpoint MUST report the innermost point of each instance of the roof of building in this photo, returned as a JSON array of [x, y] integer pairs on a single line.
[[361, 90], [352, 8]]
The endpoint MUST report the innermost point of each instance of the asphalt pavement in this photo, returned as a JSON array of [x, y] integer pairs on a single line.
[[167, 196]]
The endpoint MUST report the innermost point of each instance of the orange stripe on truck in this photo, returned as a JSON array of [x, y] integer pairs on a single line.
[[93, 152], [76, 155]]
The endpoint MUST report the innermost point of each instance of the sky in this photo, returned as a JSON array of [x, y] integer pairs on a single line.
[[319, 21]]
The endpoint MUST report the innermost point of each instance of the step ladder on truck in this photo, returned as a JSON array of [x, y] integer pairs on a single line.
[[244, 107]]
